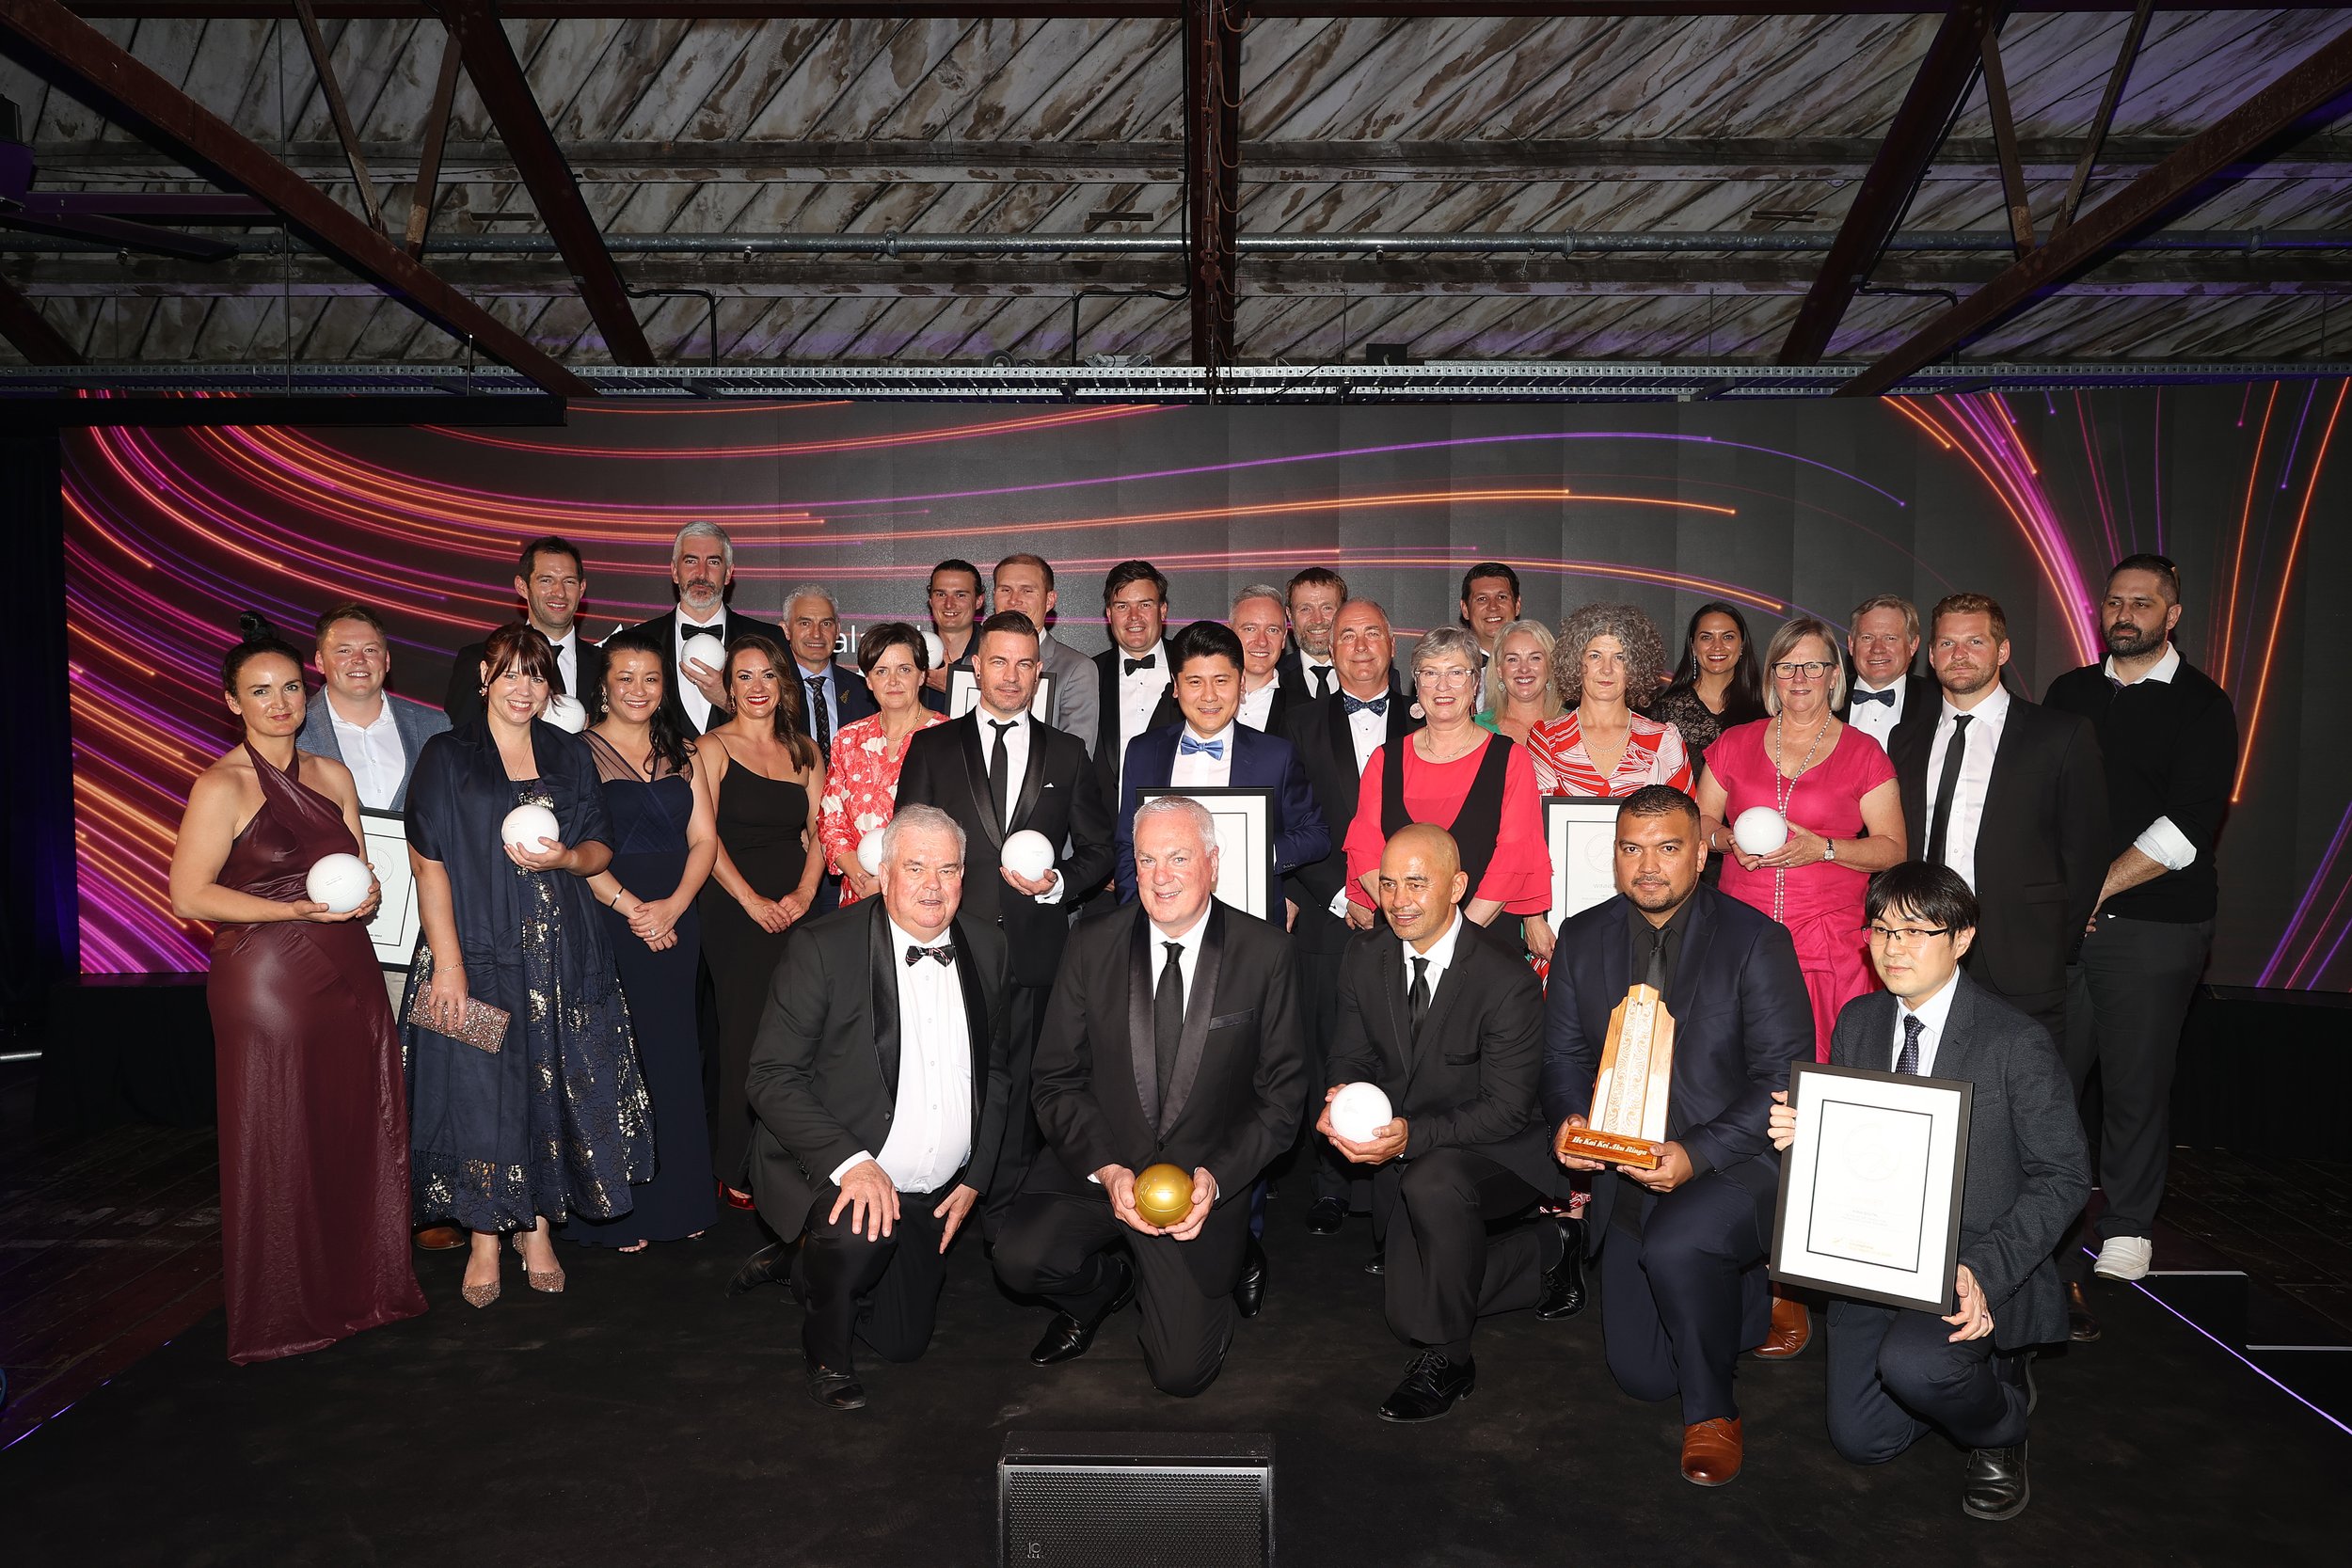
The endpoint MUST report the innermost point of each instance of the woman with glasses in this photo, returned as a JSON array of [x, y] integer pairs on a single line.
[[1716, 687], [1478, 786], [1600, 747]]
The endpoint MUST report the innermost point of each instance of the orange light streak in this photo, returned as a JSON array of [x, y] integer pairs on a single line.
[[2244, 522], [2270, 644]]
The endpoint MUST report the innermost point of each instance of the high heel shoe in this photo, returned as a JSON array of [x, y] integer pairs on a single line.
[[481, 1295], [549, 1283]]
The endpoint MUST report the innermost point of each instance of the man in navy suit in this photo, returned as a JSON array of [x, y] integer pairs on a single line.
[[1210, 748], [832, 694], [1683, 1289]]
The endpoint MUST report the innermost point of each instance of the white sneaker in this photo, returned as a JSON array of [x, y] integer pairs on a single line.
[[2124, 1258]]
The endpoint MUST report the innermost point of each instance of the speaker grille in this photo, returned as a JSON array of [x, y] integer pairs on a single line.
[[1176, 1517]]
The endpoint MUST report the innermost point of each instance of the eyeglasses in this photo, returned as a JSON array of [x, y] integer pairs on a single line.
[[1906, 936], [1442, 674], [1810, 670]]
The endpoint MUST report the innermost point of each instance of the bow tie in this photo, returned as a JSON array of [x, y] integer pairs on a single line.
[[945, 953], [1148, 661], [1354, 706], [1887, 696], [1187, 746]]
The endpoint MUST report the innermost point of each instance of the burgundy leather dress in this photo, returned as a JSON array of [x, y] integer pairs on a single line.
[[313, 1128]]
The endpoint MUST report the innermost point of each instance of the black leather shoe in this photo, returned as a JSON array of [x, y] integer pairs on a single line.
[[1432, 1384], [1377, 1264], [1250, 1293], [1564, 1282], [1997, 1487], [835, 1390], [1324, 1216], [2081, 1326], [1066, 1338], [770, 1265]]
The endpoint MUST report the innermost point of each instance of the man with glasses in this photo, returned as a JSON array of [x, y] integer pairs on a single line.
[[1896, 1375], [1883, 639]]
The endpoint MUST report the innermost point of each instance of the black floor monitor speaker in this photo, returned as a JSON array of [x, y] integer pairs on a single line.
[[1135, 1499]]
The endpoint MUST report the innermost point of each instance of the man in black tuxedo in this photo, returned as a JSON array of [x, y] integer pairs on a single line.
[[1261, 620], [1335, 737], [1172, 1039], [1896, 1375], [2012, 795], [1131, 675], [1314, 595], [550, 581], [702, 567], [997, 771], [879, 1081], [1681, 1247], [1881, 640], [1450, 1025]]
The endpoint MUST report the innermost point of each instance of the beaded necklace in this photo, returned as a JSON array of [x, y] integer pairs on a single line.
[[1784, 787]]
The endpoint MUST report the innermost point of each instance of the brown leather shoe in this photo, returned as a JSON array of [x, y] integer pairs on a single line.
[[440, 1238], [1711, 1452], [2081, 1326], [1792, 1330]]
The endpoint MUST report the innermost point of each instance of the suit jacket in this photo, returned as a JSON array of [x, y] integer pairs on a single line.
[[1260, 761], [415, 722], [1741, 1015], [1319, 731], [2028, 1167], [1240, 1076], [1076, 695], [463, 700], [2041, 843], [1278, 706], [1467, 1080], [1299, 690], [824, 1074], [947, 767], [1919, 691], [851, 694], [1110, 744], [663, 629]]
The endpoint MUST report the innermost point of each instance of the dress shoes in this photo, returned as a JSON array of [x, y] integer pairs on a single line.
[[835, 1390], [1250, 1291], [2081, 1326], [1564, 1282], [1067, 1338], [1996, 1486], [1377, 1264], [2125, 1257], [770, 1265], [1431, 1388], [1324, 1216], [1711, 1452], [1792, 1330], [440, 1238]]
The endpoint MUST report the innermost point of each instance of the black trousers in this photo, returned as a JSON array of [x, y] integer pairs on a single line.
[[1329, 1176], [2048, 1009], [2128, 998], [883, 1292], [1025, 1020], [1682, 1286], [1442, 1268], [1895, 1374], [1055, 1245]]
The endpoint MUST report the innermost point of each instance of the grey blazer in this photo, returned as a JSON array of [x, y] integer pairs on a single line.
[[2028, 1168], [416, 722], [1077, 690]]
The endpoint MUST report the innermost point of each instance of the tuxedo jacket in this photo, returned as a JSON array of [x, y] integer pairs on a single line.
[[1240, 1076], [946, 766], [1298, 690], [2042, 842], [1318, 730], [463, 700], [415, 722], [1741, 1016], [824, 1074], [1260, 761], [1468, 1079], [1110, 744], [1918, 692], [2028, 1167], [663, 629], [1278, 706]]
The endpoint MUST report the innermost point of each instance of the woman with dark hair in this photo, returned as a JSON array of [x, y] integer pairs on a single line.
[[1716, 686], [1608, 654], [665, 839], [546, 1116], [313, 1170], [767, 779], [862, 776]]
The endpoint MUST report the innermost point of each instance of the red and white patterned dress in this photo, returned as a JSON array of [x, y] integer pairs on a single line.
[[861, 787], [1654, 754]]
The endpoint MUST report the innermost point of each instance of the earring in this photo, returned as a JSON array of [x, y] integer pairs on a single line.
[[482, 692]]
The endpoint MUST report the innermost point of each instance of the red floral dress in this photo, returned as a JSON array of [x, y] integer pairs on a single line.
[[861, 787]]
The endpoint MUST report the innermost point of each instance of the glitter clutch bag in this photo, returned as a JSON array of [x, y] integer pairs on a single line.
[[484, 1027]]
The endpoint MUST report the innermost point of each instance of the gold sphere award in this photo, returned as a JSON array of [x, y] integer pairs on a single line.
[[1163, 1194]]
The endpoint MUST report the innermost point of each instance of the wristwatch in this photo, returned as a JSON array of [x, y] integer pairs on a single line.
[[1828, 850]]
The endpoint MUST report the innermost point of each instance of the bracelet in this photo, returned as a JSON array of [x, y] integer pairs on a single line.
[[617, 893]]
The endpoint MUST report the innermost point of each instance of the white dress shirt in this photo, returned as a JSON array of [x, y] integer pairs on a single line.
[[2160, 841], [373, 751], [1016, 770], [1256, 705], [1308, 665], [697, 705], [1139, 694], [1440, 957], [1985, 722], [1201, 769], [1188, 965], [1368, 731], [831, 698], [1877, 719], [568, 661], [930, 1129], [1931, 1015]]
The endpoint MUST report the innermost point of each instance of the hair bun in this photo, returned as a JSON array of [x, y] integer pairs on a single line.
[[254, 626]]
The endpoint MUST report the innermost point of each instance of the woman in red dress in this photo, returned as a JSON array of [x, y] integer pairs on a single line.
[[1600, 748], [313, 1126], [862, 777]]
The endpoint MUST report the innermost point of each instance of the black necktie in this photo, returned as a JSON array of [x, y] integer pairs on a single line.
[[945, 953], [1417, 999], [1940, 819], [1655, 975], [820, 721], [1908, 1062], [1887, 696], [1322, 673], [1000, 769], [1148, 661], [1167, 1019]]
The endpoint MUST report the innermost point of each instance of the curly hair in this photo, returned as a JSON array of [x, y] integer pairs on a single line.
[[1645, 651]]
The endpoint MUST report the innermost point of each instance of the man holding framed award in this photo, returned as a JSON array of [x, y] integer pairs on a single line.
[[1896, 1372]]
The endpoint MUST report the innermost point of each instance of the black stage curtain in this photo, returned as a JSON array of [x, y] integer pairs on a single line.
[[40, 936]]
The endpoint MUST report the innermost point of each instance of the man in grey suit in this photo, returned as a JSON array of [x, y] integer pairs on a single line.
[[1895, 1374], [1026, 583]]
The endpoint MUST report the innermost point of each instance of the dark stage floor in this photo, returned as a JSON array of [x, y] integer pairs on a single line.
[[644, 1418]]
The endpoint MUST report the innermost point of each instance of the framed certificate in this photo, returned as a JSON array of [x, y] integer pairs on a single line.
[[1869, 1191], [397, 919], [963, 695], [1245, 844], [1582, 835]]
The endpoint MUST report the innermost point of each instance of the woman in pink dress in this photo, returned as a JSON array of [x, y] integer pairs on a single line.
[[1600, 748], [862, 780]]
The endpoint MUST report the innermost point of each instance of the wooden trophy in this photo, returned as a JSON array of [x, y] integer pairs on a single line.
[[1628, 1116]]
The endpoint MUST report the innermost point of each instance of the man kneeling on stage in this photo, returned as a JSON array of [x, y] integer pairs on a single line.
[[1450, 1025], [879, 1078], [1894, 1373], [1171, 1038]]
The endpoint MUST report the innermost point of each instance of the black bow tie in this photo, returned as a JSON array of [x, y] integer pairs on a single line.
[[1353, 706], [1887, 696], [1148, 661], [945, 953]]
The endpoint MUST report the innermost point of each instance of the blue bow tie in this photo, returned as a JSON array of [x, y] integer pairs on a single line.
[[1185, 748], [1354, 706], [1887, 696]]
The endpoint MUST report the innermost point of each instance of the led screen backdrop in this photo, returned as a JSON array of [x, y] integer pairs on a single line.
[[1780, 506]]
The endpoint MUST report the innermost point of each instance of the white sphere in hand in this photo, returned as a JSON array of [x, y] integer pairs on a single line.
[[933, 649], [870, 853], [1759, 830], [703, 648], [526, 825], [1358, 1112], [1028, 853], [565, 713], [338, 882]]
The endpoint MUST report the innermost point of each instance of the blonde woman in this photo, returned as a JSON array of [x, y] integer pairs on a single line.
[[1518, 694]]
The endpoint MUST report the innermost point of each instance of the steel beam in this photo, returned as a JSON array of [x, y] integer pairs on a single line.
[[1213, 151], [2080, 180], [1157, 11], [23, 325], [424, 192]]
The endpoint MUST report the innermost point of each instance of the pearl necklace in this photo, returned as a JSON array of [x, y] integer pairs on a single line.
[[1784, 787]]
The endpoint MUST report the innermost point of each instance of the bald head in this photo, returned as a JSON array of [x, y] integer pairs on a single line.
[[1421, 881]]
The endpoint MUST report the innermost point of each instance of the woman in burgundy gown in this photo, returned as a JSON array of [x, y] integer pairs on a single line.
[[313, 1128]]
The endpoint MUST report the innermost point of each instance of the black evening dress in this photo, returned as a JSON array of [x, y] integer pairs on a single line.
[[763, 822]]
